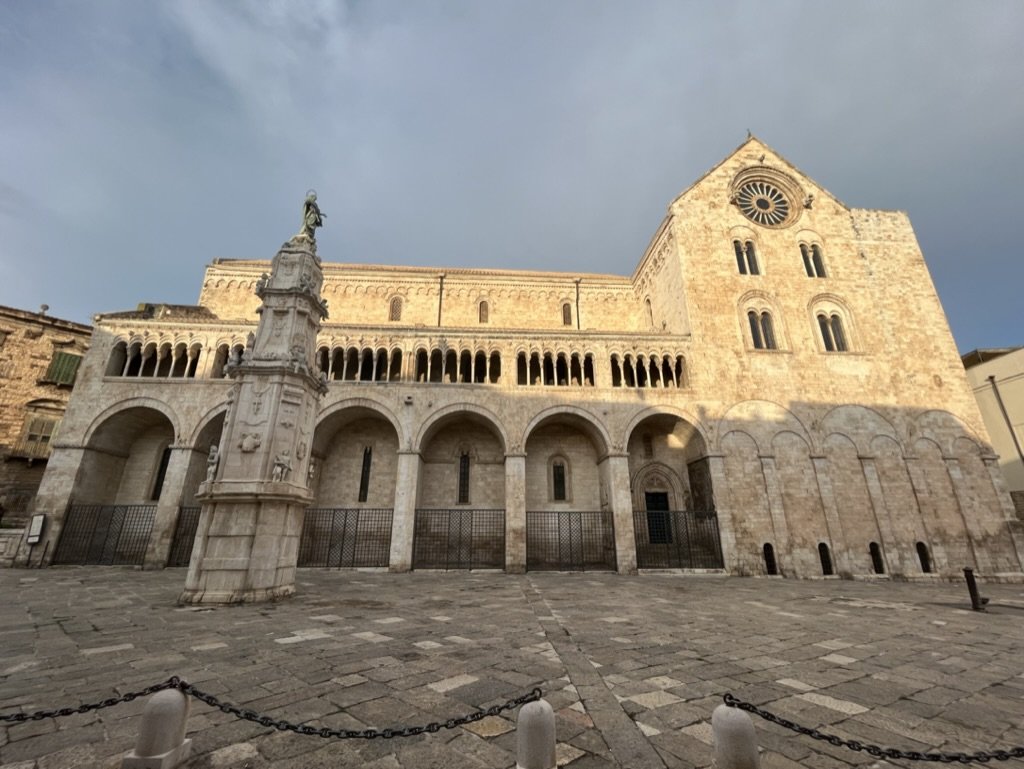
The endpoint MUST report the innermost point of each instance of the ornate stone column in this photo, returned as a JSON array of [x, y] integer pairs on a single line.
[[515, 513], [255, 497], [403, 521]]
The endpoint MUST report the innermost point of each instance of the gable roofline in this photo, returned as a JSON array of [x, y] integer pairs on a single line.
[[665, 222], [752, 138]]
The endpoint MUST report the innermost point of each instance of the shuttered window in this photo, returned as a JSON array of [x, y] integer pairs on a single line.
[[63, 368]]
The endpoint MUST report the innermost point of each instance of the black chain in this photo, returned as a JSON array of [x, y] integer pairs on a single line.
[[171, 683], [280, 724], [875, 750], [356, 734]]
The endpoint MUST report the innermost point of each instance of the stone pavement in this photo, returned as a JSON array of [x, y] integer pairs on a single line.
[[633, 666]]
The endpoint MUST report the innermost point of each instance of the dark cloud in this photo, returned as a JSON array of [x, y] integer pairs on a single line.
[[141, 141]]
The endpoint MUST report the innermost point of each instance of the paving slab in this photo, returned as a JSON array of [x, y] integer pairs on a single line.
[[633, 666]]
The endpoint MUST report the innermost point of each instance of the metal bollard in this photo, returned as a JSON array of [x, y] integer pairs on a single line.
[[161, 743], [977, 602], [734, 738], [535, 736]]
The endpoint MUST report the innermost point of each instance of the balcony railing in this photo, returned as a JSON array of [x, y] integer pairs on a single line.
[[30, 450]]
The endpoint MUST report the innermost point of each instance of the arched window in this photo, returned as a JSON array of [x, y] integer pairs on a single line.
[[924, 557], [817, 262], [832, 334], [755, 330], [826, 560], [558, 476], [805, 254], [118, 360], [768, 331], [484, 312], [395, 311], [464, 478], [877, 564], [762, 330], [770, 567], [650, 313], [566, 314], [746, 257], [161, 473], [364, 476]]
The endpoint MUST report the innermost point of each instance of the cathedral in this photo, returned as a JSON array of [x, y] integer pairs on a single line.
[[773, 390]]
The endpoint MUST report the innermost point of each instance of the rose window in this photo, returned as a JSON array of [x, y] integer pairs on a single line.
[[764, 203]]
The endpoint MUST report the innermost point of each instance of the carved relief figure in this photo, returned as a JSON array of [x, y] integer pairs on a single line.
[[282, 467], [211, 463]]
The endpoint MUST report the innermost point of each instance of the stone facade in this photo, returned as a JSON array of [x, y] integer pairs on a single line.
[[778, 363], [997, 378], [39, 359]]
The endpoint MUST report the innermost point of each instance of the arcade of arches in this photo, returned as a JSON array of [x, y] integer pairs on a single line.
[[462, 494]]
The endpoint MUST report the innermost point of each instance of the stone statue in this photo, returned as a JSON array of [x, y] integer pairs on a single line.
[[261, 284], [281, 467], [311, 216], [312, 469], [211, 463]]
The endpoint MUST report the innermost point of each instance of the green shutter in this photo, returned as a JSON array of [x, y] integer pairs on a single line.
[[63, 368]]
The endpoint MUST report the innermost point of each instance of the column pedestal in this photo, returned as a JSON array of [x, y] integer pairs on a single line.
[[247, 543]]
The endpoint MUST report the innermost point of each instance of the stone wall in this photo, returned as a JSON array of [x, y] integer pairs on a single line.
[[28, 343]]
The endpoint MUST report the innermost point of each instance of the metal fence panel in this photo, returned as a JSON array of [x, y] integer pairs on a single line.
[[184, 536], [109, 535], [570, 540], [459, 539], [677, 539], [338, 537]]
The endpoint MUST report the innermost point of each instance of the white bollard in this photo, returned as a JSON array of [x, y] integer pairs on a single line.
[[535, 736], [161, 743], [734, 738]]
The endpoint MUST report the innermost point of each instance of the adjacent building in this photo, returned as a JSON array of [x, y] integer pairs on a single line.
[[772, 390], [39, 360], [997, 378]]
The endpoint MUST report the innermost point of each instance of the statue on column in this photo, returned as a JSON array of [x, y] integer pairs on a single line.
[[211, 463], [312, 217]]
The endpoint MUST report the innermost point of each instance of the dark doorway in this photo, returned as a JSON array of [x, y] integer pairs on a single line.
[[658, 522], [770, 567], [826, 560], [876, 558]]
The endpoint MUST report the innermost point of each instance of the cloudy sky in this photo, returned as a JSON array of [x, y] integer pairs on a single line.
[[140, 140]]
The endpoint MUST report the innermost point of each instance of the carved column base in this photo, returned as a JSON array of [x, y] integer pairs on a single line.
[[246, 547]]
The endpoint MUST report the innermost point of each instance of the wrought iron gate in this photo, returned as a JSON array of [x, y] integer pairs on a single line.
[[677, 539], [184, 536], [105, 535], [571, 540], [336, 537], [459, 539]]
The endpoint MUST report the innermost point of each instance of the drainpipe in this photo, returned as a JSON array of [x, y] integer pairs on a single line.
[[577, 304], [440, 297], [1009, 424]]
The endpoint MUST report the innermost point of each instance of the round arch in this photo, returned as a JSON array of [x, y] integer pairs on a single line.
[[589, 424], [218, 411], [652, 411], [131, 410], [762, 420], [476, 413], [334, 415]]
